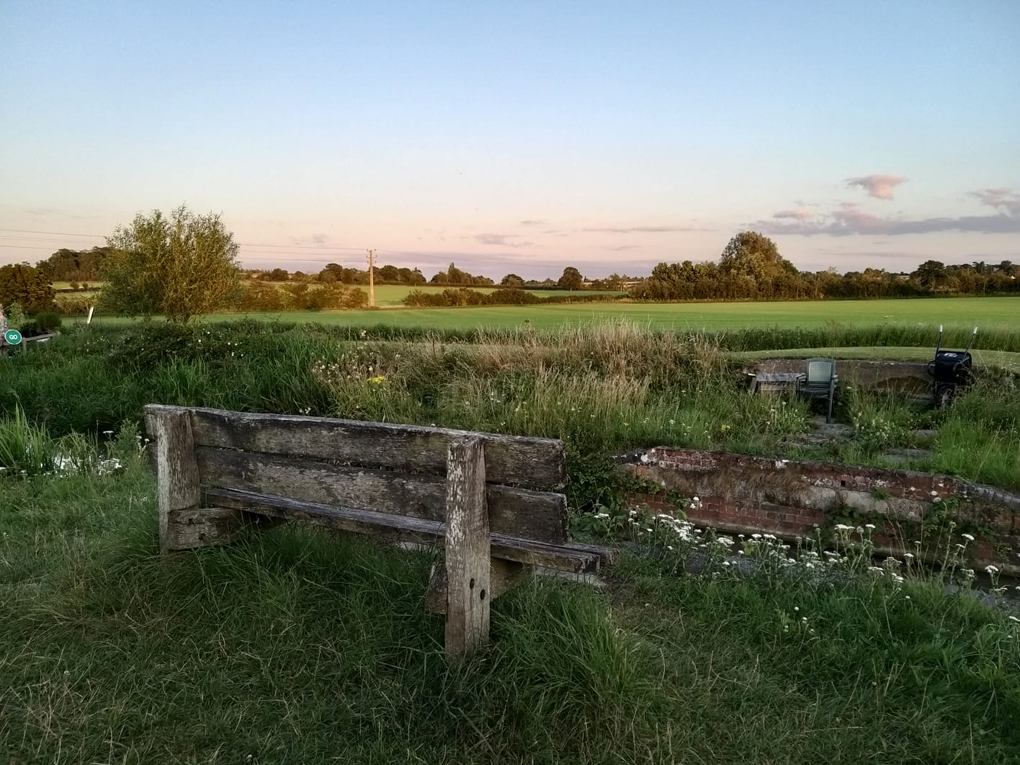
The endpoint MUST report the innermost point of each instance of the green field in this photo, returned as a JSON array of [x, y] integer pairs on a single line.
[[985, 312]]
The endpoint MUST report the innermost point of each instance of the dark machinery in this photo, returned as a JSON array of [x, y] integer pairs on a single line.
[[950, 370]]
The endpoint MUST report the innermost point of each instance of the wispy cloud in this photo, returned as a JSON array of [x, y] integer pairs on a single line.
[[500, 240], [533, 222], [1003, 200], [800, 214], [320, 240], [879, 186], [642, 230], [622, 248], [850, 220]]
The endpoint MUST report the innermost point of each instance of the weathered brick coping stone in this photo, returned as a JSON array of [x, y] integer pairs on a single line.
[[790, 498]]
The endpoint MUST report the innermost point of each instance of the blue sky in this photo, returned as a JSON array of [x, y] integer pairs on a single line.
[[519, 136]]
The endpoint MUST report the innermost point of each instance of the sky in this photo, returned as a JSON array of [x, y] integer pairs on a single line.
[[519, 136]]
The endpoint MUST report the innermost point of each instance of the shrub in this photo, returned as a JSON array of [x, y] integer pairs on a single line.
[[48, 322], [26, 286]]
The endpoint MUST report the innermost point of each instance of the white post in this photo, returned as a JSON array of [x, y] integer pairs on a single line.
[[89, 319]]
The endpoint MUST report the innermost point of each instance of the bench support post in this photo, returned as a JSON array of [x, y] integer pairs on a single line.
[[467, 549], [183, 523]]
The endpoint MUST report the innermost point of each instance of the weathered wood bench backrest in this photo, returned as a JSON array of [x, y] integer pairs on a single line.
[[489, 496]]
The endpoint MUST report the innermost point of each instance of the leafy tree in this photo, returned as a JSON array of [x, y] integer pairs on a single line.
[[755, 255], [179, 266], [931, 274], [571, 279], [276, 275], [26, 286], [511, 280]]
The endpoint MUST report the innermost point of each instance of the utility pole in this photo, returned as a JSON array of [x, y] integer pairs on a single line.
[[371, 278]]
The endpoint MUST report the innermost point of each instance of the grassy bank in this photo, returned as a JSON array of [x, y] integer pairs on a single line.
[[302, 648], [602, 389]]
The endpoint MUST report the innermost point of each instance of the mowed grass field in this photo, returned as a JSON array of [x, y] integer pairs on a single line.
[[987, 312]]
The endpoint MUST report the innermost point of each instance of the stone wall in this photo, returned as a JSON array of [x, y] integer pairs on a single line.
[[742, 493], [899, 376]]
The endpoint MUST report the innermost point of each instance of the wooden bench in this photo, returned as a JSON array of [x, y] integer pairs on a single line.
[[493, 501]]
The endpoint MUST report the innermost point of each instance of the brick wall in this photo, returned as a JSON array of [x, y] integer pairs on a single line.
[[789, 498]]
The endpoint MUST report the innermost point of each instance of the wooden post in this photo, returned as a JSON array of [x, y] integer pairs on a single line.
[[371, 278], [467, 549], [176, 468]]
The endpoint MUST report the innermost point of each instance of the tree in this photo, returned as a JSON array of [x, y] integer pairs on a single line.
[[930, 274], [571, 279], [752, 254], [178, 266], [511, 280], [26, 286]]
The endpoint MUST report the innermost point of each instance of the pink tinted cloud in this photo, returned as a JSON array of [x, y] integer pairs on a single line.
[[878, 186]]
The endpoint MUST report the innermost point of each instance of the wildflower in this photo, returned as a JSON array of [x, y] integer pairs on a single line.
[[869, 526], [968, 537], [991, 570]]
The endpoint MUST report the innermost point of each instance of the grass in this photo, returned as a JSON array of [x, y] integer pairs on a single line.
[[303, 648], [961, 312], [603, 390]]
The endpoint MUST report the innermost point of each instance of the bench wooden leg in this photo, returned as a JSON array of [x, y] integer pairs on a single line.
[[183, 523], [467, 549], [504, 575]]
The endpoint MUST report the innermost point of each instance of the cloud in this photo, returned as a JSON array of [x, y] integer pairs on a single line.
[[800, 214], [1003, 200], [878, 186], [641, 230], [320, 240], [500, 240], [850, 220], [533, 222], [622, 248]]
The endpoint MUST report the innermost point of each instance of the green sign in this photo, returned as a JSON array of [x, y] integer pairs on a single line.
[[13, 337]]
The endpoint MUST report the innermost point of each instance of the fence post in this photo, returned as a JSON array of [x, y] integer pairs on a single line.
[[467, 549]]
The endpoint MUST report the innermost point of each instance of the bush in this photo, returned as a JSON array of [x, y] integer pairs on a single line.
[[48, 322]]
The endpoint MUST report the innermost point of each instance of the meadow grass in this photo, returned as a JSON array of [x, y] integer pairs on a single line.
[[602, 389], [897, 315], [303, 647]]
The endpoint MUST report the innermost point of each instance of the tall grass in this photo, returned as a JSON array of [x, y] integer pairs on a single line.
[[602, 388]]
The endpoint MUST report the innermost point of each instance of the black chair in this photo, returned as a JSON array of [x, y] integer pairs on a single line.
[[819, 382]]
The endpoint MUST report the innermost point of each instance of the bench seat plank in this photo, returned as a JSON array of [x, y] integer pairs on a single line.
[[573, 558], [517, 512]]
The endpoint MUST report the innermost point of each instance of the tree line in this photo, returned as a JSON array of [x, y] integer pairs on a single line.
[[751, 268], [182, 264]]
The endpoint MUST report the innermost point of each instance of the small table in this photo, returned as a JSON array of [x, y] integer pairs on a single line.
[[773, 383]]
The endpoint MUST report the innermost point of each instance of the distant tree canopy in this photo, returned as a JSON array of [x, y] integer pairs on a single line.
[[67, 265], [511, 280], [29, 287], [454, 276], [275, 275], [179, 266], [571, 279], [334, 272], [751, 268]]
